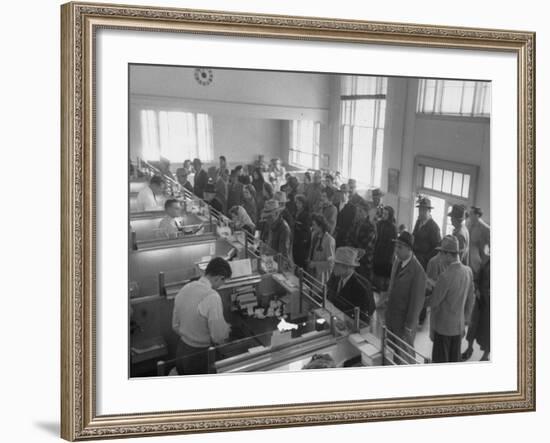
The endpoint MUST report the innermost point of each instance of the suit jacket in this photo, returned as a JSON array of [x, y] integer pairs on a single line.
[[426, 238], [464, 243], [352, 294], [452, 300], [201, 180], [406, 296]]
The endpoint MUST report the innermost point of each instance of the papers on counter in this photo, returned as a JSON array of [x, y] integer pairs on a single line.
[[283, 326], [240, 268]]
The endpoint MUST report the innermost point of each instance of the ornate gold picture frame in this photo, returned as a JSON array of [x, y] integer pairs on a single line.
[[80, 22]]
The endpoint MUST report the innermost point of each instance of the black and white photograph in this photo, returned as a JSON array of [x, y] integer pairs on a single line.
[[289, 221]]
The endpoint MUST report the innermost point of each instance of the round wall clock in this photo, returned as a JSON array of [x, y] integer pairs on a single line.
[[204, 76]]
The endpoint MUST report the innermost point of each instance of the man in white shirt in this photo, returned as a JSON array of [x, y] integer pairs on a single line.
[[198, 318], [151, 198], [171, 224]]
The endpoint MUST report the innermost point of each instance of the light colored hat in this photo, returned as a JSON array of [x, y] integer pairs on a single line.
[[449, 244], [280, 197], [348, 256], [271, 207]]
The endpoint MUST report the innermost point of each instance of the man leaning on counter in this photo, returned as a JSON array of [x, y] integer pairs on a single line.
[[198, 318]]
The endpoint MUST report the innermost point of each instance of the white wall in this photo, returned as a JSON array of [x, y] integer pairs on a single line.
[[247, 107], [242, 139], [408, 135]]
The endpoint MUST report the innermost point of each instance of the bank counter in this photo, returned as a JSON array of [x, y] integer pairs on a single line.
[[280, 316]]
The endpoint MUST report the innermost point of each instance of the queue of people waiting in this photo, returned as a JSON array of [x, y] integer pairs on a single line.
[[330, 230]]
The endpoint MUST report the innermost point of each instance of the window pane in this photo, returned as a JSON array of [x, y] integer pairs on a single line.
[[457, 183], [452, 95], [381, 112], [149, 135], [364, 113], [378, 157], [428, 177], [466, 186], [468, 98], [438, 179], [346, 136], [362, 154], [362, 85], [447, 181]]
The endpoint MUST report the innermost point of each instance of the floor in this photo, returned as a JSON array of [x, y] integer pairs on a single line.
[[422, 344]]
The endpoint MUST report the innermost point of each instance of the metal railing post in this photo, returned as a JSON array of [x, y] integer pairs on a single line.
[[333, 325], [162, 290], [357, 318], [161, 368], [211, 359], [383, 345], [245, 244], [324, 296], [300, 288], [134, 241]]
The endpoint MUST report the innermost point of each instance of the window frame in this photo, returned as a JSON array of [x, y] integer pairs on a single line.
[[157, 112], [421, 161], [346, 168]]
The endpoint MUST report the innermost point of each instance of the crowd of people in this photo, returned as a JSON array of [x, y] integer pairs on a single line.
[[328, 229]]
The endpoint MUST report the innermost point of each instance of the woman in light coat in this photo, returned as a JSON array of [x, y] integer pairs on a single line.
[[321, 253]]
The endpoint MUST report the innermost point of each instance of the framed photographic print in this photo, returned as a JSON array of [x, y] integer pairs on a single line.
[[282, 221]]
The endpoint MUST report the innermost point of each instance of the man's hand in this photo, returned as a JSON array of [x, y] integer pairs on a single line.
[[409, 336]]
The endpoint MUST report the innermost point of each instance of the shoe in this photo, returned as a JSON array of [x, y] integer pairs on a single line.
[[467, 354]]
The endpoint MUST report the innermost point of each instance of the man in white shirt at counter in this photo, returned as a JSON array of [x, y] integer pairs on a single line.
[[151, 197], [198, 318], [170, 225]]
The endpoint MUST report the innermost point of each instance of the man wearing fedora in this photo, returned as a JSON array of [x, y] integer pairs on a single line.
[[345, 291], [451, 304], [458, 215], [427, 237], [426, 233], [407, 291]]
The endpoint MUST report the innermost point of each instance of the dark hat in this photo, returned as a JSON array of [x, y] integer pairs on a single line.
[[476, 210], [424, 202], [210, 188], [458, 212], [449, 244], [405, 238]]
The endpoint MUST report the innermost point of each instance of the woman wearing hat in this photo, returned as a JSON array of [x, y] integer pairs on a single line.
[[386, 233], [276, 232], [264, 191], [345, 291]]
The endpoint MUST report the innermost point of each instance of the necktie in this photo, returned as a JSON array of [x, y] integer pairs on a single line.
[[340, 285]]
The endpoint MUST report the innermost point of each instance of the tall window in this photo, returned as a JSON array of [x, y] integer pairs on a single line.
[[363, 108], [304, 143], [176, 135], [454, 97]]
